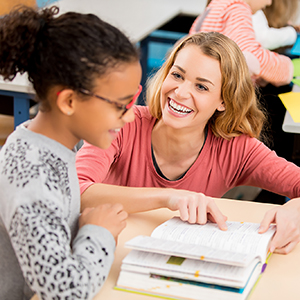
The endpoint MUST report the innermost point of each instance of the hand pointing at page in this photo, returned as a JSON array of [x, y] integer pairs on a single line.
[[196, 208]]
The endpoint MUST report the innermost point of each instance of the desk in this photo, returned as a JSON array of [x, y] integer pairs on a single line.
[[279, 281], [136, 18], [21, 92], [288, 124]]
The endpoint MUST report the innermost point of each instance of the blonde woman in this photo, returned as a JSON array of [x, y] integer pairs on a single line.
[[197, 139]]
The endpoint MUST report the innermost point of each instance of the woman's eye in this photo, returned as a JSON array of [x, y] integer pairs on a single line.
[[176, 75], [202, 87]]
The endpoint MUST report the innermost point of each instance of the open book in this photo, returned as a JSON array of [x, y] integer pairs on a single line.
[[192, 261]]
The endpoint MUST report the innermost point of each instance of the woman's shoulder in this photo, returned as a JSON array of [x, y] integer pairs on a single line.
[[142, 112], [242, 142], [143, 118]]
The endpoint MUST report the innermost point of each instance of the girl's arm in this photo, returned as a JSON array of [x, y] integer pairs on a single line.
[[41, 239], [193, 207]]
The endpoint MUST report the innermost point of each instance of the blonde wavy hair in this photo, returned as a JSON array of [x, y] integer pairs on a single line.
[[243, 114]]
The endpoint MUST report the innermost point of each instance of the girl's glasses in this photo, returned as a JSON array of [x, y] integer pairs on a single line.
[[120, 106]]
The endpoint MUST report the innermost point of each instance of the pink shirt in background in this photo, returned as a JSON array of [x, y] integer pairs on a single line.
[[233, 18]]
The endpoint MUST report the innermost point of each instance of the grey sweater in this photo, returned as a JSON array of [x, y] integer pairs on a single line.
[[41, 249]]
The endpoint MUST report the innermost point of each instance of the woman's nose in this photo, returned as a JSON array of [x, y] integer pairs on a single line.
[[183, 90]]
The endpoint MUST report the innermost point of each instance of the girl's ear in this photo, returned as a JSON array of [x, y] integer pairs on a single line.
[[221, 107], [65, 101]]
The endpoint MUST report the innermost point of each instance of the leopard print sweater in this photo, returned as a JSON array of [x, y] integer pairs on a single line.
[[39, 208]]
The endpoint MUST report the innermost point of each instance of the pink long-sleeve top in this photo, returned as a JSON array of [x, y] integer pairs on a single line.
[[221, 164]]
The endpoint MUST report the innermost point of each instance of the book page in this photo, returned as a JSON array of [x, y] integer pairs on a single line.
[[151, 244], [240, 237], [185, 268]]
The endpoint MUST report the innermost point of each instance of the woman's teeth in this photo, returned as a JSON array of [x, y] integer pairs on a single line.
[[178, 108]]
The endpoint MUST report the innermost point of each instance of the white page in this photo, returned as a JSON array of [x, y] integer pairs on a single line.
[[190, 269], [151, 244], [239, 237]]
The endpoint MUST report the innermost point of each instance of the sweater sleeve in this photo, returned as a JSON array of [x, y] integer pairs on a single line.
[[41, 239], [269, 37]]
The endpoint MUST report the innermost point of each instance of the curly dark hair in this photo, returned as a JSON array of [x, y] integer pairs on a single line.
[[69, 50]]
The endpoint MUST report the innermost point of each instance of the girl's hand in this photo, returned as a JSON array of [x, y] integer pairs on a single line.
[[196, 208], [287, 220], [112, 217]]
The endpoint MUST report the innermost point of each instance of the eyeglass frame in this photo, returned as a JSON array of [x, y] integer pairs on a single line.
[[120, 106]]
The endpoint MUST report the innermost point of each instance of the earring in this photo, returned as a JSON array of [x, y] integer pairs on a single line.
[[69, 113]]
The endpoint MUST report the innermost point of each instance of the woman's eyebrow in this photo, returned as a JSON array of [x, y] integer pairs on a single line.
[[182, 70], [198, 78], [204, 80]]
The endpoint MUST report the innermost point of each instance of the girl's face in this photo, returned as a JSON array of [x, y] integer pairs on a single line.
[[258, 4], [191, 92], [97, 121]]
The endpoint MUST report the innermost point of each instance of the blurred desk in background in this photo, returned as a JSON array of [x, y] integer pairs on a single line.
[[16, 97], [136, 18]]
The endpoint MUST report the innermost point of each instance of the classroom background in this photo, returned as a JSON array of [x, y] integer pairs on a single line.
[[174, 19]]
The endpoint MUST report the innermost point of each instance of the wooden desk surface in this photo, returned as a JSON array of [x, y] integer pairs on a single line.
[[280, 281]]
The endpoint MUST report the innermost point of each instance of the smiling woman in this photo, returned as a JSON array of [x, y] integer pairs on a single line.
[[197, 139]]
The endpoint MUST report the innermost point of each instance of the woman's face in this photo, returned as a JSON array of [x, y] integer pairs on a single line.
[[97, 121], [191, 92]]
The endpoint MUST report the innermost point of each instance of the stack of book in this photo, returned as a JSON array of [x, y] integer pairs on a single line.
[[192, 261]]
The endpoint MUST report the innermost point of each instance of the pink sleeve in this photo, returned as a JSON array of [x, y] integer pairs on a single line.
[[235, 21], [274, 68], [93, 163], [250, 162]]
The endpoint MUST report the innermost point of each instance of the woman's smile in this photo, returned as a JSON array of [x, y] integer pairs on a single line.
[[178, 109]]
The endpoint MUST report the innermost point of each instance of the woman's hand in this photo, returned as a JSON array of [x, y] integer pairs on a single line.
[[196, 208], [287, 220]]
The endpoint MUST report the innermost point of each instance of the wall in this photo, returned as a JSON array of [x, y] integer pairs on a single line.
[[7, 5]]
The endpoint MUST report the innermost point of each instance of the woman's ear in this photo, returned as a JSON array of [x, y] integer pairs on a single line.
[[221, 107], [65, 101]]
